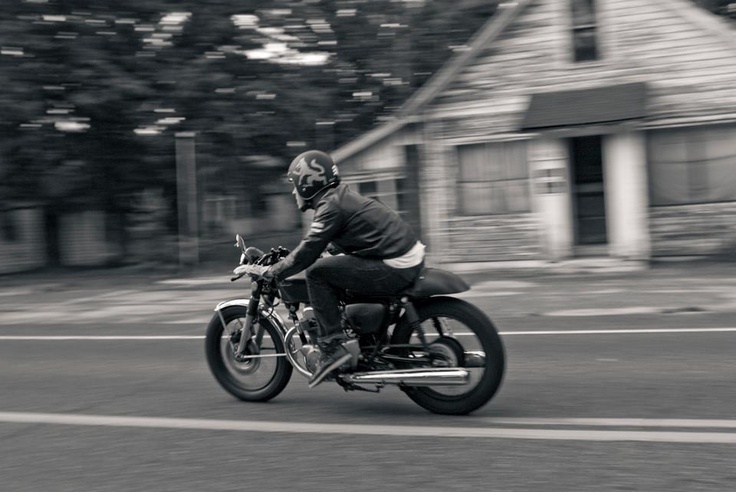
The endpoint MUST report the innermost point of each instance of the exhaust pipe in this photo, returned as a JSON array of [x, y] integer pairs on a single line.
[[438, 376]]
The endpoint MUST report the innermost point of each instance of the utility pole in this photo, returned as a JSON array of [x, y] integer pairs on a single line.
[[186, 199]]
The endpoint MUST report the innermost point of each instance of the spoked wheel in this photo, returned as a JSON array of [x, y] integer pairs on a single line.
[[261, 373], [459, 335]]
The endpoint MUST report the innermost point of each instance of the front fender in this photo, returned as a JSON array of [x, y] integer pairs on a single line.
[[265, 312], [232, 302]]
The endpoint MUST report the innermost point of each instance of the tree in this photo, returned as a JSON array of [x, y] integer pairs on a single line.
[[95, 91]]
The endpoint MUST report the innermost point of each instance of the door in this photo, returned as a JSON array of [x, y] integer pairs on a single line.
[[588, 193]]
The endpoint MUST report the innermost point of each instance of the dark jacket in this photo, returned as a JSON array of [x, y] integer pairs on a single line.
[[356, 225]]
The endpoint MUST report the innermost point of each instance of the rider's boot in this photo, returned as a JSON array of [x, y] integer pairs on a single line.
[[334, 355]]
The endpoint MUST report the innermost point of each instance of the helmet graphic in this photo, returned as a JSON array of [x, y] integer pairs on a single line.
[[312, 172]]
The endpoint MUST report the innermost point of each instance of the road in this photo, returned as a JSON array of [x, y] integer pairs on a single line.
[[616, 383]]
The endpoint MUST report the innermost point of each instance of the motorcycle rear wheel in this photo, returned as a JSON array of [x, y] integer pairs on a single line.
[[258, 378], [458, 333]]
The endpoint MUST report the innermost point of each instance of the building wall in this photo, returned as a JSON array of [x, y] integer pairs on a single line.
[[686, 56], [513, 237], [694, 230], [26, 251], [387, 155], [82, 239]]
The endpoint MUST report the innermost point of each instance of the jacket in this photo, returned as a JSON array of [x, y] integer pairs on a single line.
[[355, 225]]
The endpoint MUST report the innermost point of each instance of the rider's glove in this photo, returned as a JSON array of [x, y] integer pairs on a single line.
[[255, 271]]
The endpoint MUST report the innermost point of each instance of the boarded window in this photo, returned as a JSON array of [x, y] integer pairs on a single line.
[[584, 30], [493, 178], [692, 165]]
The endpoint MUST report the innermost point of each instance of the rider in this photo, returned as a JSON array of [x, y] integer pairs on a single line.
[[377, 251]]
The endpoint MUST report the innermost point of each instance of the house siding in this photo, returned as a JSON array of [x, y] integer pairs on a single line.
[[691, 75], [690, 72], [694, 230], [685, 55], [511, 237], [387, 156]]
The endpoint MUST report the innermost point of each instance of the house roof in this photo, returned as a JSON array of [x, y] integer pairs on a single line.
[[586, 106], [702, 18], [507, 12]]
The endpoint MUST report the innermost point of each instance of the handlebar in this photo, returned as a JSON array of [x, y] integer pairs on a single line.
[[253, 256]]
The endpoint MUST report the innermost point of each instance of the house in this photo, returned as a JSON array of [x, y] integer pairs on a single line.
[[568, 128]]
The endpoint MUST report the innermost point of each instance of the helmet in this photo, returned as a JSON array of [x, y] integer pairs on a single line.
[[312, 172]]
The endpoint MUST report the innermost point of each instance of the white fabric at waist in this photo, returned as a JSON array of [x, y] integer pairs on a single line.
[[409, 259]]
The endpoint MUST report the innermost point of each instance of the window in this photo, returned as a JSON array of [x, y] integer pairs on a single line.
[[692, 165], [584, 30], [493, 178]]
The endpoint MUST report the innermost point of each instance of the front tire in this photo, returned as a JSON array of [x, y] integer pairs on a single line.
[[459, 334], [250, 379]]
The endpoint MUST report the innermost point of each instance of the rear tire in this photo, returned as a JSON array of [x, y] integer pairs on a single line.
[[450, 323], [256, 379]]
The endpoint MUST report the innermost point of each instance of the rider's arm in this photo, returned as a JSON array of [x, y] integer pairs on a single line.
[[325, 225]]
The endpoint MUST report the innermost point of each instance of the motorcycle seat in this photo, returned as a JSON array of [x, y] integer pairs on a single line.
[[433, 282]]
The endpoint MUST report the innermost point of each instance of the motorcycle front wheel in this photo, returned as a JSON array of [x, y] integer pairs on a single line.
[[458, 335], [262, 372]]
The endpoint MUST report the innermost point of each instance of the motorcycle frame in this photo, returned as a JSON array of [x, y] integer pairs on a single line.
[[255, 309]]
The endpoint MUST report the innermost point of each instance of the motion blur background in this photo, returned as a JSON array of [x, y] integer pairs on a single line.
[[148, 132]]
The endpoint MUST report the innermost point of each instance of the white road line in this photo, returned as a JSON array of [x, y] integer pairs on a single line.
[[621, 311], [614, 422], [369, 430], [622, 331], [105, 338]]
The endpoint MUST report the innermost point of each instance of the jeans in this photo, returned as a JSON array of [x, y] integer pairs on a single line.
[[329, 277]]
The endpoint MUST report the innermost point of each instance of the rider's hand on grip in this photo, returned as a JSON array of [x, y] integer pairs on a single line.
[[255, 271]]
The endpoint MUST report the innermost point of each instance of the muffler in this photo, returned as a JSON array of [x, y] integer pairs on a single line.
[[433, 376]]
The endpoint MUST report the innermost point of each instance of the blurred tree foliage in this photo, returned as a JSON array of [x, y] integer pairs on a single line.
[[93, 92], [726, 8]]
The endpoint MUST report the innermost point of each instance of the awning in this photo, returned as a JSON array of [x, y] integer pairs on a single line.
[[586, 106]]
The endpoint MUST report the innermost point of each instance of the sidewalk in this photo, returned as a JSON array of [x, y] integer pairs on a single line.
[[147, 276], [552, 276], [148, 295]]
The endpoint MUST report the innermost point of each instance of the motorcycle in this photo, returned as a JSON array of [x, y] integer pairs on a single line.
[[442, 351]]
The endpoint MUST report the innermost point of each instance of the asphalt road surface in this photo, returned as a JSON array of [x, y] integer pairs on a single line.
[[617, 383]]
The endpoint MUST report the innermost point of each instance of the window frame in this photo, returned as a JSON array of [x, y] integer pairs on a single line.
[[694, 167], [578, 28], [520, 175]]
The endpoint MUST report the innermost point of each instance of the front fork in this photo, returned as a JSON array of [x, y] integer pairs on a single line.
[[251, 322]]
